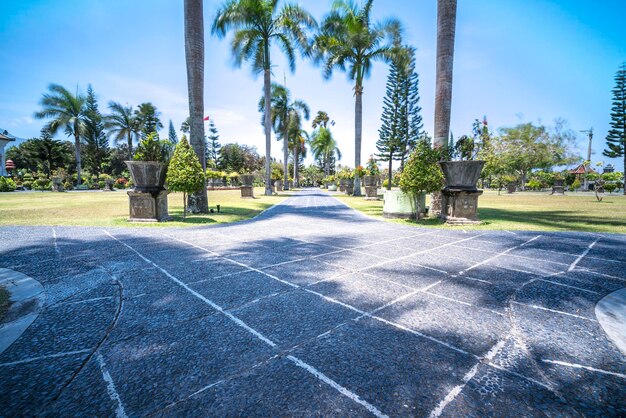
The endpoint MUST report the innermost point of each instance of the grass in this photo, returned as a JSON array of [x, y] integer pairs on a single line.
[[529, 211], [4, 302], [111, 208]]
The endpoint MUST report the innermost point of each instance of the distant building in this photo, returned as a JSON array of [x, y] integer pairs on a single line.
[[5, 138], [579, 172], [608, 169]]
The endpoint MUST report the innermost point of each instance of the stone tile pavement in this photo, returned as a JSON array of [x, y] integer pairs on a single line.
[[314, 309]]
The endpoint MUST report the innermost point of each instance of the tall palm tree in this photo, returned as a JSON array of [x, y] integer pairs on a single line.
[[297, 143], [256, 24], [66, 110], [122, 124], [198, 202], [446, 23], [322, 119], [284, 110], [324, 147], [351, 42]]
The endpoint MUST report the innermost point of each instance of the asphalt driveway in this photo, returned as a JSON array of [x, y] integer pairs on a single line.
[[314, 309]]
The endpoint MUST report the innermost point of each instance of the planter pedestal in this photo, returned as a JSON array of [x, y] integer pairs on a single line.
[[371, 193], [558, 188], [279, 185], [57, 184], [435, 203], [399, 205], [247, 192], [148, 206], [461, 206]]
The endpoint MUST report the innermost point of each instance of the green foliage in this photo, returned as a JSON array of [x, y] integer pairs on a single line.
[[148, 119], [41, 154], [123, 125], [324, 148], [616, 137], [610, 187], [422, 173], [6, 184], [575, 185], [277, 171], [371, 169], [96, 150], [345, 174], [213, 143], [42, 184], [151, 148], [171, 135], [185, 173], [240, 158], [534, 185]]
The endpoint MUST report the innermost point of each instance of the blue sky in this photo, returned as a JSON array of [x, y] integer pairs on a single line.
[[516, 60]]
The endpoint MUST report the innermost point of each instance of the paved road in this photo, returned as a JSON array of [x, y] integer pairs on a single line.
[[314, 309]]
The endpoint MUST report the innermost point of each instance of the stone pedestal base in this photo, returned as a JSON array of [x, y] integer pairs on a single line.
[[371, 193], [435, 204], [558, 190], [459, 207], [148, 207], [247, 192]]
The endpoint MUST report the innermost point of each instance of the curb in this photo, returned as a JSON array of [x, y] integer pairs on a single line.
[[611, 313], [27, 297]]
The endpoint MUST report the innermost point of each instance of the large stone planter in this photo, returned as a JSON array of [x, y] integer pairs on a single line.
[[558, 188], [148, 197], [349, 186], [108, 185], [279, 185], [400, 205], [57, 184], [247, 189], [510, 188], [370, 181], [459, 200], [342, 185]]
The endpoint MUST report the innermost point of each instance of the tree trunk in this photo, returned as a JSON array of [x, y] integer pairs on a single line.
[[286, 156], [327, 166], [296, 183], [194, 57], [130, 146], [390, 176], [79, 180], [358, 126], [184, 206], [446, 22], [267, 80]]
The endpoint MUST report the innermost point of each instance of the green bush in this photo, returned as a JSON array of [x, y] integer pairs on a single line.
[[534, 185], [610, 187], [42, 184], [575, 185], [68, 185], [6, 184]]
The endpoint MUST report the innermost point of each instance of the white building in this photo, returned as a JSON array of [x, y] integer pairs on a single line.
[[5, 138]]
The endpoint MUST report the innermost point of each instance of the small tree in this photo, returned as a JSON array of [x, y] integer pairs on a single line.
[[616, 137], [422, 173], [185, 173]]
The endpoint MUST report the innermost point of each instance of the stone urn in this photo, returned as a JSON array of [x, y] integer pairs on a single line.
[[510, 188], [349, 186], [459, 200], [558, 187], [57, 184], [400, 205], [342, 185], [247, 188], [332, 187], [279, 185], [370, 181], [371, 187], [108, 185], [148, 197]]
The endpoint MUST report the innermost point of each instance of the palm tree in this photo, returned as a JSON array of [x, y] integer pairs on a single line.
[[194, 55], [322, 119], [66, 110], [283, 112], [324, 147], [349, 39], [297, 143], [258, 23], [446, 23], [122, 124]]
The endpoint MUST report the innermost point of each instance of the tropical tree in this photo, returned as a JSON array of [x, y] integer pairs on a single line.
[[422, 173], [239, 158], [96, 142], [122, 124], [194, 57], [351, 42], [184, 172], [324, 147], [446, 26], [616, 137], [256, 25], [67, 111], [171, 134], [322, 119], [297, 144], [285, 117], [41, 154], [213, 143], [148, 119]]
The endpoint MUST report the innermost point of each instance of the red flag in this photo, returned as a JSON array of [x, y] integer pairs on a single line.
[[206, 118]]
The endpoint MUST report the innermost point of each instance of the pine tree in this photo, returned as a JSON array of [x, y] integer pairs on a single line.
[[171, 135], [616, 137], [96, 148], [184, 173], [415, 126], [212, 143]]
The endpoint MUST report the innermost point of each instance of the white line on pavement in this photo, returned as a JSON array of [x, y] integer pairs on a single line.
[[487, 260], [115, 397], [56, 245], [580, 257], [580, 366], [570, 286], [31, 359], [321, 376], [553, 310]]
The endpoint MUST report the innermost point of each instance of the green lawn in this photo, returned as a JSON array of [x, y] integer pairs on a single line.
[[529, 211], [111, 208]]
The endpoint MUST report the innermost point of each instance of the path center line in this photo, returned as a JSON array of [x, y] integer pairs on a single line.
[[580, 257]]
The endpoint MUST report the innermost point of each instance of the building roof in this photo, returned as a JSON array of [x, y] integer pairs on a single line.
[[6, 136], [581, 170]]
